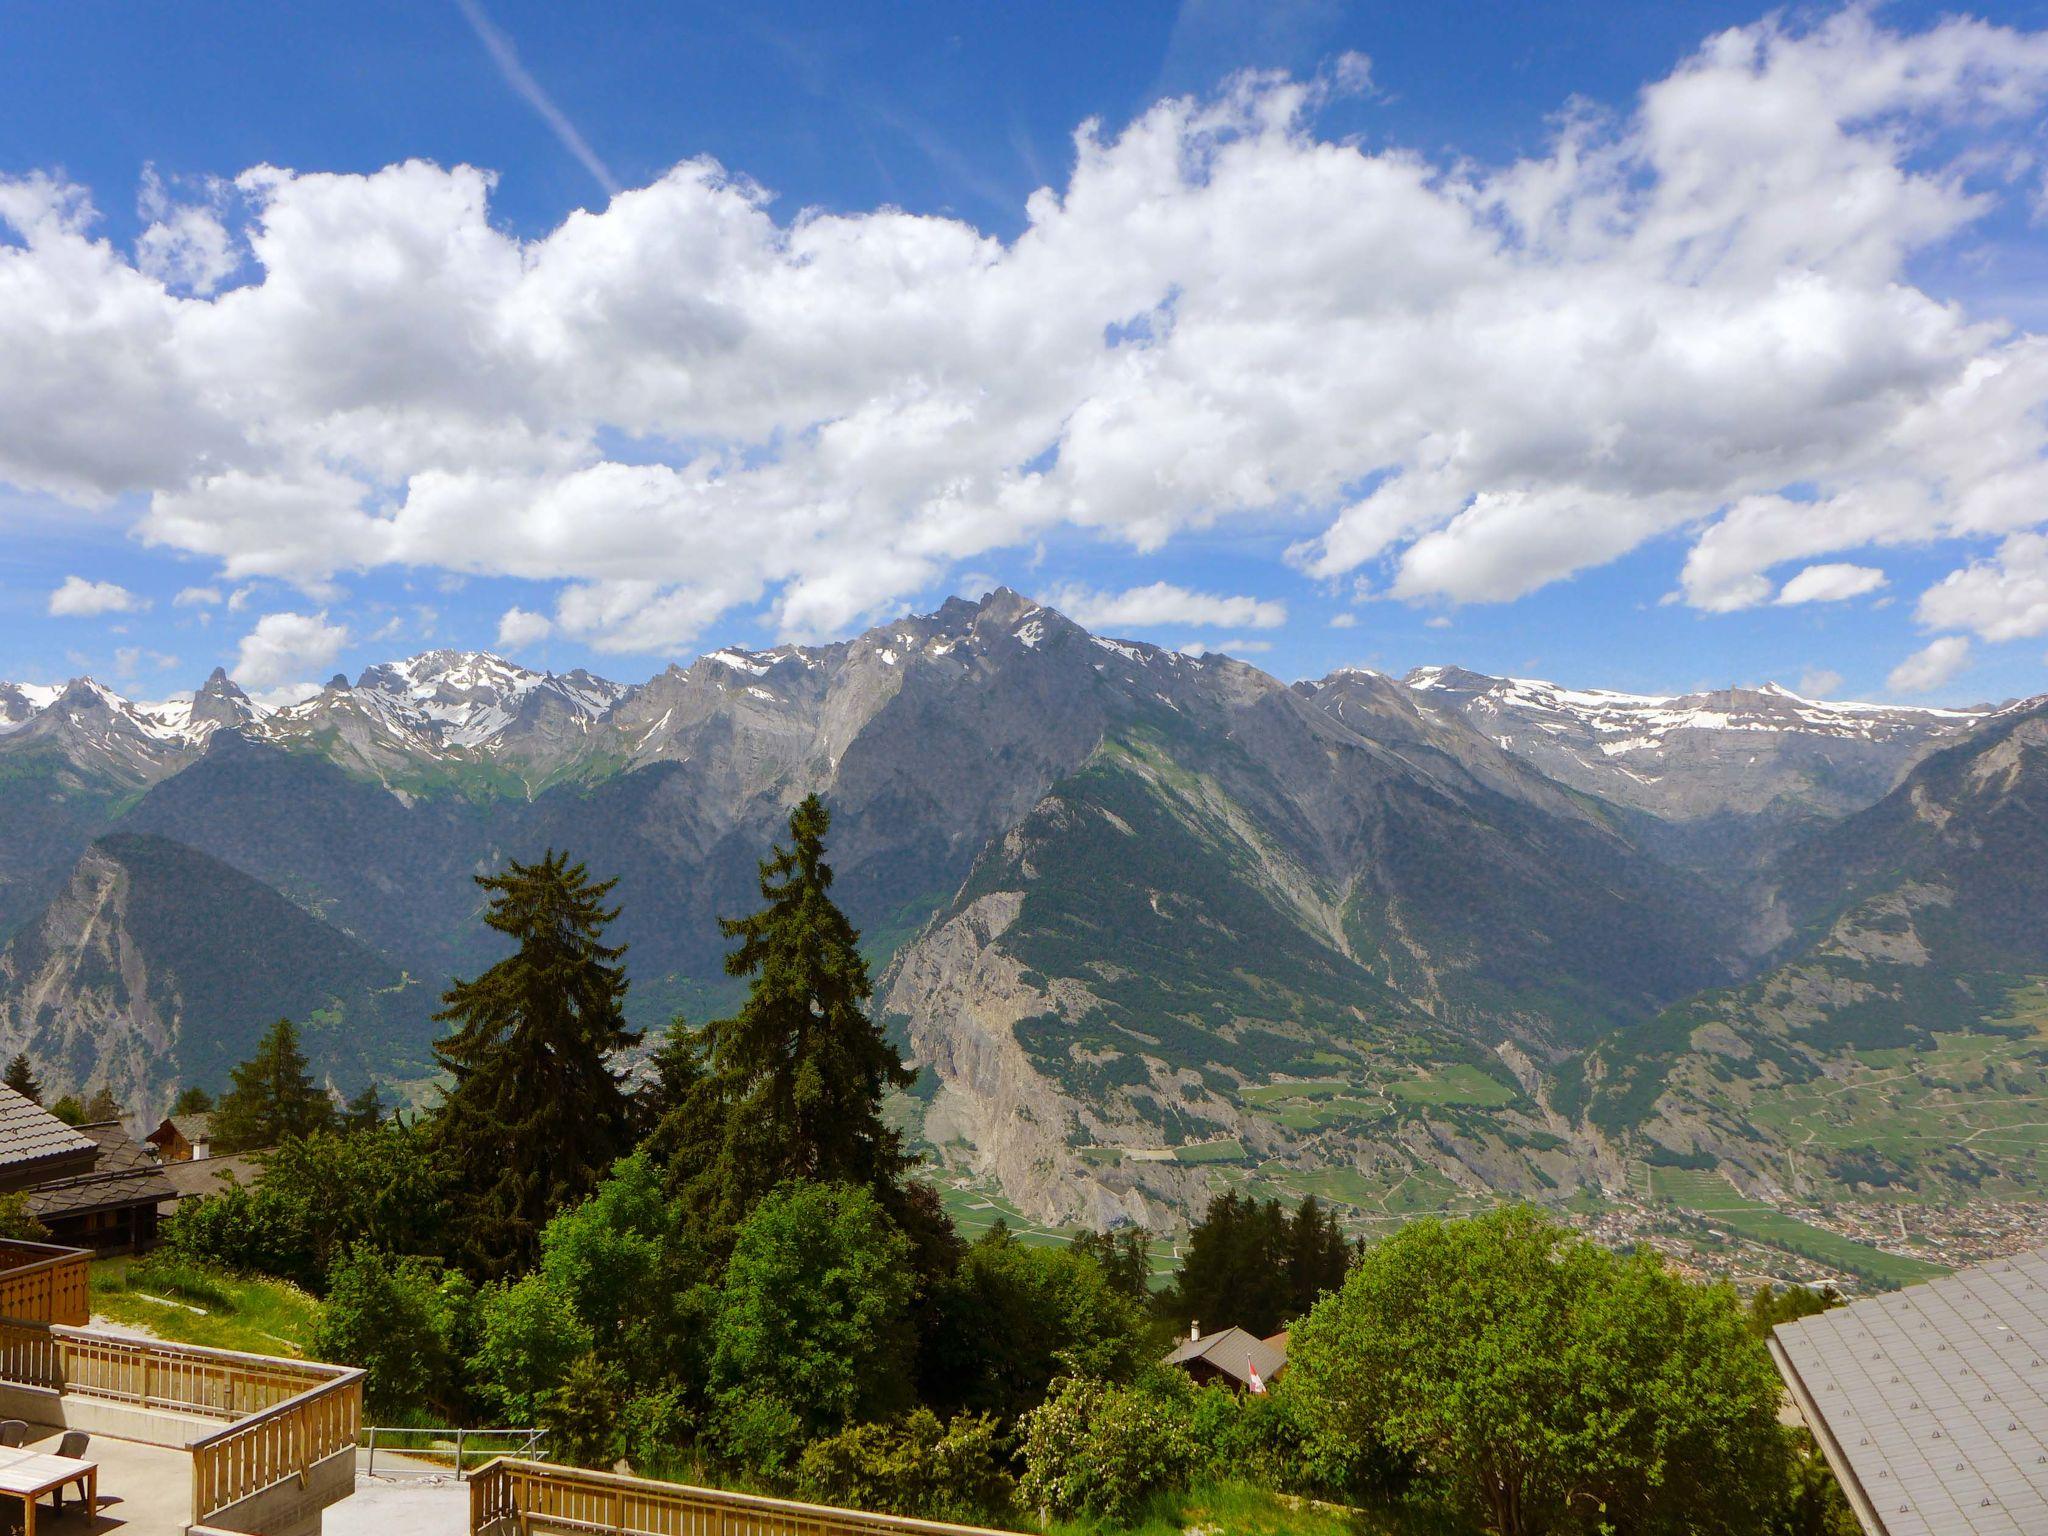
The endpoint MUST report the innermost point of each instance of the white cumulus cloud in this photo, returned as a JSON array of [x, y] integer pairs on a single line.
[[77, 598], [1831, 583], [518, 629], [284, 647], [1930, 667], [1162, 603], [1697, 317], [2005, 598]]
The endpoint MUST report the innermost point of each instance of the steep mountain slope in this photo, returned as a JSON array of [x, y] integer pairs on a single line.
[[156, 966], [1899, 1039], [1244, 892]]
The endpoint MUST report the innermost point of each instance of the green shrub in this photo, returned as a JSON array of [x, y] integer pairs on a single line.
[[528, 1336], [915, 1466], [1104, 1452], [402, 1320]]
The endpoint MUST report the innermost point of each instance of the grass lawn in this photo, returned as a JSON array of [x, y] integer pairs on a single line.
[[1242, 1510], [187, 1302], [1229, 1150]]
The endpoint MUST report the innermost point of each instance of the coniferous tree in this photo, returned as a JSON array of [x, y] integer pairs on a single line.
[[799, 1072], [535, 1115], [21, 1078], [364, 1112], [192, 1101], [1317, 1256], [272, 1097], [1249, 1265], [102, 1106]]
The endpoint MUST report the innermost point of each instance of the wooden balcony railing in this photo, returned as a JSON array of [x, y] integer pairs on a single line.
[[281, 1442], [278, 1417], [43, 1283], [525, 1497], [174, 1378]]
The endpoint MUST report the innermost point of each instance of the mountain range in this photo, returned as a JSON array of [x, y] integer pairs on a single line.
[[1135, 913]]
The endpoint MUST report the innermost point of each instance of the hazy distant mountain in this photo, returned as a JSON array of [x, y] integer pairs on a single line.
[[1136, 910], [1728, 772]]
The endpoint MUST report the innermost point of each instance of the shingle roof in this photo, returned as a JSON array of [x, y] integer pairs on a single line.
[[30, 1134], [123, 1174], [208, 1175], [1932, 1402], [1228, 1350]]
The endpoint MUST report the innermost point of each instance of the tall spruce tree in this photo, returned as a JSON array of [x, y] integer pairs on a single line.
[[272, 1097], [21, 1077], [535, 1114], [799, 1071]]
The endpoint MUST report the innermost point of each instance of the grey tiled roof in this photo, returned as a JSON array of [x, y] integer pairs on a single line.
[[123, 1174], [208, 1175], [1934, 1400], [1228, 1350], [31, 1134]]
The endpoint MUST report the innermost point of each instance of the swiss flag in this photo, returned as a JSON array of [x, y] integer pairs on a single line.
[[1253, 1372]]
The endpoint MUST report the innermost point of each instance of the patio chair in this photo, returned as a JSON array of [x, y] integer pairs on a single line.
[[72, 1444], [13, 1432]]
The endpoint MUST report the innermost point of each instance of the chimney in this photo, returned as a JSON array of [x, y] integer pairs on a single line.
[[1194, 1331]]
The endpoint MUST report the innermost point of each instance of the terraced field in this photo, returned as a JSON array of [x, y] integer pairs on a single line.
[[1974, 1106]]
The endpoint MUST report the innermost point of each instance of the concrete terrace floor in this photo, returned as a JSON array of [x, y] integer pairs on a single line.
[[145, 1490], [398, 1506]]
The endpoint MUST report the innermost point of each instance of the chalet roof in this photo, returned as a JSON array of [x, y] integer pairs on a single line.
[[123, 1174], [30, 1134], [1229, 1350], [1932, 1402], [209, 1175]]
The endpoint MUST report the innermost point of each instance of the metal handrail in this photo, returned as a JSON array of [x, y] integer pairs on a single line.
[[528, 1448]]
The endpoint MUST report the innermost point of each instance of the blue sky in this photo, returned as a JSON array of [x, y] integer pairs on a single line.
[[1557, 340]]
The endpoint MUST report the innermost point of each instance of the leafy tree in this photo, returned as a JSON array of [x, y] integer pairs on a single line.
[[1555, 1388], [1772, 1305], [317, 1197], [18, 1224], [812, 1329], [102, 1106], [582, 1415], [69, 1110], [21, 1077], [364, 1112], [1011, 1318], [403, 1321], [535, 1113], [632, 1273], [800, 1070], [528, 1338], [272, 1097], [192, 1100]]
